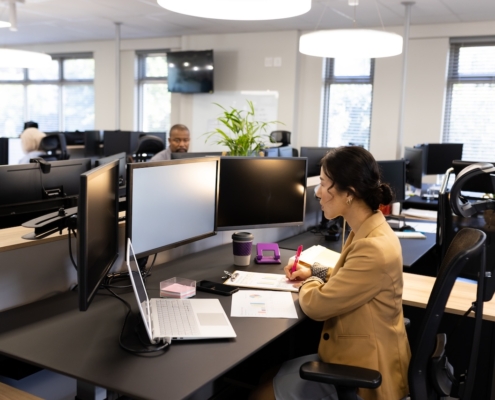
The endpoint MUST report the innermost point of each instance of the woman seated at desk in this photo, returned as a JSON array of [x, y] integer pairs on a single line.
[[360, 299]]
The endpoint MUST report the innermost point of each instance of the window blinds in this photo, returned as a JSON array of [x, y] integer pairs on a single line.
[[347, 98], [470, 100]]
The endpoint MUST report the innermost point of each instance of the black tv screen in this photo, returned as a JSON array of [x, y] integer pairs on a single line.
[[190, 71]]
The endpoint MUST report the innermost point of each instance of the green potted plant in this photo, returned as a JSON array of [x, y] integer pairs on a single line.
[[241, 132]]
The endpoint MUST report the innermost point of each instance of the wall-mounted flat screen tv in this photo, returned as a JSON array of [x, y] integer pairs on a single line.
[[190, 71]]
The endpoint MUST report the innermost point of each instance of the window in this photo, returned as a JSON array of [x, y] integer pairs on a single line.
[[154, 97], [347, 95], [470, 101], [58, 98]]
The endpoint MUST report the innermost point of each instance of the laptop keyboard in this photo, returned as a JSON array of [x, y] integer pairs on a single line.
[[176, 318]]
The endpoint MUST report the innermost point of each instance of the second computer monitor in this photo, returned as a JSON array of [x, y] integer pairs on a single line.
[[314, 156], [258, 192], [393, 173], [171, 203]]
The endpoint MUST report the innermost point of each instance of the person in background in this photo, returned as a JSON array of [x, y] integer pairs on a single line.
[[178, 142], [360, 298], [30, 142]]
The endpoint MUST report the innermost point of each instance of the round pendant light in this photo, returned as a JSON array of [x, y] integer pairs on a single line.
[[11, 58], [351, 43], [246, 10]]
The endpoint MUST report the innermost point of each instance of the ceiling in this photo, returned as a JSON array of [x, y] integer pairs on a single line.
[[48, 21]]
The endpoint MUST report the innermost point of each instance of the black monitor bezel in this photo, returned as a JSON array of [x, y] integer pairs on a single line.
[[86, 294], [182, 155], [438, 157], [131, 167], [121, 158], [263, 225], [311, 153], [394, 164], [414, 162]]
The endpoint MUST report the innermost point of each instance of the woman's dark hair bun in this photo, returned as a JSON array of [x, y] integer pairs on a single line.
[[387, 193]]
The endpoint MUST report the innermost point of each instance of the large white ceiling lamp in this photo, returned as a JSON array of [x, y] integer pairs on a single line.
[[11, 58], [246, 10], [351, 43], [355, 43]]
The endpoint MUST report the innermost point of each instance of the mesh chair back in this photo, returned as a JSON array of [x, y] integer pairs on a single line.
[[280, 137], [468, 243], [55, 146], [148, 145]]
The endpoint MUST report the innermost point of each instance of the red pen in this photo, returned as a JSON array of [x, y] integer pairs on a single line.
[[296, 260]]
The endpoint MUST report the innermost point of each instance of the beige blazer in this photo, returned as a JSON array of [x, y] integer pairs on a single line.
[[361, 304]]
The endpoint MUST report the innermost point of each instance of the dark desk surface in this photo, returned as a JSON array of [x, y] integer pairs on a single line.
[[412, 249], [53, 334], [420, 203]]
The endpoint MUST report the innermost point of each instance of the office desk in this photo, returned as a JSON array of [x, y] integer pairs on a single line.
[[53, 334], [412, 249], [420, 203]]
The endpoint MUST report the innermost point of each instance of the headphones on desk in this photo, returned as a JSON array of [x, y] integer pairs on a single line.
[[462, 206]]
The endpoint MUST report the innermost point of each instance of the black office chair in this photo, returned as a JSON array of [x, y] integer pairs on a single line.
[[148, 146], [430, 374], [55, 147], [284, 138], [280, 137]]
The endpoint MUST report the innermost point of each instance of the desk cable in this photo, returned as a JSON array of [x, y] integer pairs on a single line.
[[69, 228], [147, 349]]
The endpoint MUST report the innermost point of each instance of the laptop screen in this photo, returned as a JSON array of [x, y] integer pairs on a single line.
[[139, 288]]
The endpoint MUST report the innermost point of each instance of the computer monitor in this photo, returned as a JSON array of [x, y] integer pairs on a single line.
[[92, 141], [393, 172], [171, 203], [26, 183], [10, 151], [27, 193], [285, 151], [119, 141], [121, 158], [414, 166], [271, 152], [314, 156], [259, 192], [180, 156], [438, 157], [97, 229], [65, 175]]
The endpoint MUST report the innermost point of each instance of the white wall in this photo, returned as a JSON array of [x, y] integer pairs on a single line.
[[240, 65]]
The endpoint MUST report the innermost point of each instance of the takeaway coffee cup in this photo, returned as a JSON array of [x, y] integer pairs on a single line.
[[242, 244]]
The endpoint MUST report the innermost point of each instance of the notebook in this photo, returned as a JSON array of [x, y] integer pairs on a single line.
[[177, 319]]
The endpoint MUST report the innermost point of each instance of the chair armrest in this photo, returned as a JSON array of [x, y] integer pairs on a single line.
[[340, 375]]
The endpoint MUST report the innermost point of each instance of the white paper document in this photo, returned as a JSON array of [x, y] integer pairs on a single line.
[[420, 214], [263, 303], [258, 280], [423, 226]]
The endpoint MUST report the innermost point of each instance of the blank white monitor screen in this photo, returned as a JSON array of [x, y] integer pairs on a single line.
[[15, 151], [171, 203]]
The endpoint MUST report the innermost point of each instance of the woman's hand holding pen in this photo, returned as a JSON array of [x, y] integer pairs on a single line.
[[300, 274]]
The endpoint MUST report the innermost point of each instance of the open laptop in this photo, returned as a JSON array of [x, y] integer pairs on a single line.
[[177, 319]]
